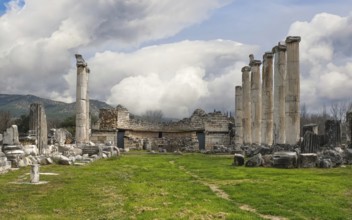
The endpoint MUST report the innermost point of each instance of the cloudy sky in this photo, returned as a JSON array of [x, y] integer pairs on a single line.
[[175, 56]]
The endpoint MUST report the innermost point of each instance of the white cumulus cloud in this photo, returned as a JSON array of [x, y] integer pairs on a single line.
[[326, 59], [176, 78], [39, 38]]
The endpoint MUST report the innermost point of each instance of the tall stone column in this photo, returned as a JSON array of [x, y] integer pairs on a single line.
[[292, 96], [238, 116], [246, 105], [81, 101], [279, 93], [256, 106], [88, 124], [267, 99], [38, 125]]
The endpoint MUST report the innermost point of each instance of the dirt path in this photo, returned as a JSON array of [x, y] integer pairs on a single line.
[[222, 194]]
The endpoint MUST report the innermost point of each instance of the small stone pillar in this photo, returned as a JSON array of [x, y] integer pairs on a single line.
[[81, 101], [256, 97], [246, 106], [279, 93], [267, 99], [35, 173], [238, 116], [292, 105]]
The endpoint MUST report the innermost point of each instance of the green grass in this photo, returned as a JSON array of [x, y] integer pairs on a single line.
[[145, 186]]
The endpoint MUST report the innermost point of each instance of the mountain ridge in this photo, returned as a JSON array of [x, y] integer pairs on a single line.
[[18, 105]]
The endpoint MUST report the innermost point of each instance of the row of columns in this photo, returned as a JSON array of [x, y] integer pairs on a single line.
[[268, 107]]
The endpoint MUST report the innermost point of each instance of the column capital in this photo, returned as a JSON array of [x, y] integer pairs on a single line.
[[255, 63], [292, 39], [268, 55], [238, 87], [246, 69], [279, 47], [80, 61]]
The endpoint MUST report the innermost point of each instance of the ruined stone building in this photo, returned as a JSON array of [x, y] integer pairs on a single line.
[[267, 112], [201, 131]]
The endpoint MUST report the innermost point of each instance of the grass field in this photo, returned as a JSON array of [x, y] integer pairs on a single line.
[[191, 186]]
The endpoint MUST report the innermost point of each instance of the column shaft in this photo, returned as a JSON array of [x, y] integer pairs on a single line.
[[81, 101], [292, 120], [238, 116], [246, 105], [256, 107], [279, 93], [267, 99]]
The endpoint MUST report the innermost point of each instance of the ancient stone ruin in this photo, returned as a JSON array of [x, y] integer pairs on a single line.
[[56, 146], [201, 132], [267, 116], [265, 130]]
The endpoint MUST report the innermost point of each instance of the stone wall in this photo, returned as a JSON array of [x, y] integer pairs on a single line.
[[216, 126], [103, 137]]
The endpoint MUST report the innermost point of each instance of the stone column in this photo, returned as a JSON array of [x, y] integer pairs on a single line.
[[87, 110], [246, 105], [35, 173], [38, 125], [279, 93], [292, 96], [267, 99], [81, 101], [256, 106], [238, 116]]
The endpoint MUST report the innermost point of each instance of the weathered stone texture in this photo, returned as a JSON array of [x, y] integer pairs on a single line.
[[238, 116], [279, 93], [285, 159], [11, 136], [310, 127], [267, 99], [256, 98], [38, 125], [172, 135], [311, 142], [246, 91], [292, 94], [82, 106]]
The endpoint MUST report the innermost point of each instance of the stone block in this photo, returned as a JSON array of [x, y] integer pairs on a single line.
[[238, 160], [308, 160], [255, 161], [11, 136], [268, 160], [285, 159]]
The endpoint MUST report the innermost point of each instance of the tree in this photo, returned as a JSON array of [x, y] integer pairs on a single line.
[[338, 111], [153, 116], [23, 124], [5, 120], [70, 124]]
